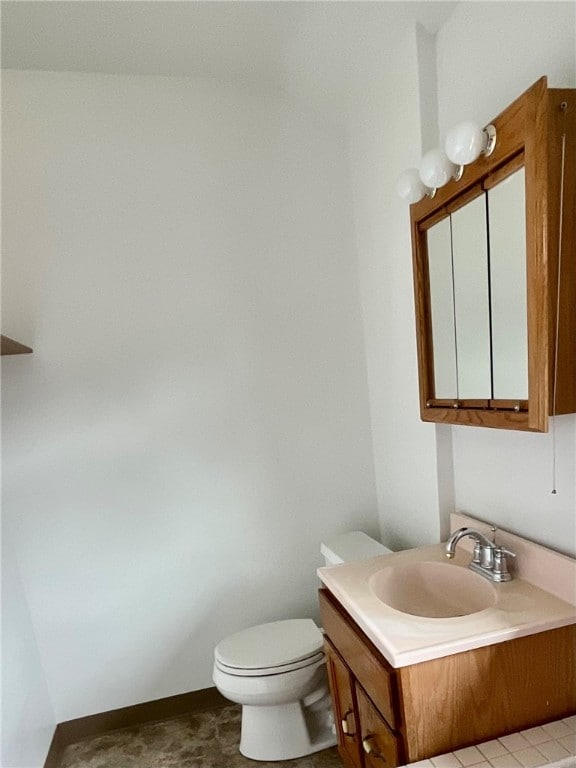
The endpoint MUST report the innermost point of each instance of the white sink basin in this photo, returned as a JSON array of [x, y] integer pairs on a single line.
[[432, 590]]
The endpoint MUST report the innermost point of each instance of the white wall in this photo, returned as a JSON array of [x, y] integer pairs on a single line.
[[486, 55], [384, 140], [194, 418], [28, 720], [502, 476]]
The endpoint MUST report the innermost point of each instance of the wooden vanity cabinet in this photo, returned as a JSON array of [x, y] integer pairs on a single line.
[[389, 717]]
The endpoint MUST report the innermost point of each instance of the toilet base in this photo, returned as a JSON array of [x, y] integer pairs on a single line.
[[287, 731]]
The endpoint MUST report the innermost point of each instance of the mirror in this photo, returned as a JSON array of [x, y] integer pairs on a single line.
[[442, 309], [471, 300], [507, 242], [477, 283]]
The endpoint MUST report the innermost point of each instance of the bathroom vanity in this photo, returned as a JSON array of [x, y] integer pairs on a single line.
[[406, 688]]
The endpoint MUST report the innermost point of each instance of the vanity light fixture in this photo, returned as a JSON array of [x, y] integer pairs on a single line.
[[465, 143]]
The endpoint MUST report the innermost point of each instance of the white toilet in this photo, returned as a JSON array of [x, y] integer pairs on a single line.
[[277, 672]]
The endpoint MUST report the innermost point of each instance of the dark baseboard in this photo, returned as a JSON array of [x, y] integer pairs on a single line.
[[55, 752], [82, 728]]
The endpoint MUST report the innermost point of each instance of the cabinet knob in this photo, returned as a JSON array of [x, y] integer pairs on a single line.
[[345, 727], [372, 749]]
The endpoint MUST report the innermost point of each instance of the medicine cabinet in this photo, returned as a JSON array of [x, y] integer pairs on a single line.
[[494, 257]]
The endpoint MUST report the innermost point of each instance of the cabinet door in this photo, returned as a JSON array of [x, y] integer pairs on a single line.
[[440, 271], [342, 689], [507, 216], [459, 303], [379, 744], [471, 300]]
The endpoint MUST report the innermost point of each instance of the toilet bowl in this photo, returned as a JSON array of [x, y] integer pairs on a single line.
[[277, 672]]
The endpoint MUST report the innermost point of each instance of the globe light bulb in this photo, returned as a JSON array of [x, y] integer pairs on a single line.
[[410, 187], [465, 143], [436, 169]]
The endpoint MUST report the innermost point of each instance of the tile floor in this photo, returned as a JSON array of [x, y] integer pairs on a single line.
[[547, 745], [207, 740]]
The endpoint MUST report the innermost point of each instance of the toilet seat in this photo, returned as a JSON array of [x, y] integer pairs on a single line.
[[273, 648], [277, 670]]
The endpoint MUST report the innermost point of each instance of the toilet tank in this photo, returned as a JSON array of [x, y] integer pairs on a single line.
[[354, 545]]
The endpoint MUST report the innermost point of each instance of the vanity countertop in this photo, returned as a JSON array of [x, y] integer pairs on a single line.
[[521, 608]]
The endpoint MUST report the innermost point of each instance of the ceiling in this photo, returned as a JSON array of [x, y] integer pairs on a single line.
[[327, 46]]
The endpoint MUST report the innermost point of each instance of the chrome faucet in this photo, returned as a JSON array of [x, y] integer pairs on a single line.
[[488, 559]]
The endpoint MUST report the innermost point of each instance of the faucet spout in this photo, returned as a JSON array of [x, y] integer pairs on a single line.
[[488, 560], [462, 533]]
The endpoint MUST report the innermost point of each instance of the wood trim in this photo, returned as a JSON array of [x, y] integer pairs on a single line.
[[91, 726], [502, 173], [509, 405], [478, 417], [434, 219], [424, 348], [10, 347], [454, 403], [465, 198], [496, 405], [566, 383], [537, 252]]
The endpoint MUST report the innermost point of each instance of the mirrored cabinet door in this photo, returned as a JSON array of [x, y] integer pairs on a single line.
[[442, 310], [471, 300], [507, 240], [458, 273]]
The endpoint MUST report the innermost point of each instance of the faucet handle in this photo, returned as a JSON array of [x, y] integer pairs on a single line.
[[503, 551], [477, 558], [501, 563]]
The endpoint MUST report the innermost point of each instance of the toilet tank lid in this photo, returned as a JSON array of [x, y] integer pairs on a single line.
[[270, 645], [354, 545]]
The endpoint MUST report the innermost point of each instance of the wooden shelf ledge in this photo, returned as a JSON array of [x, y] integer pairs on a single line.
[[10, 347]]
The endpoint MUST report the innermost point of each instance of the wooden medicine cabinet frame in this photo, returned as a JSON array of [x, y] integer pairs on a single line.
[[529, 134]]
